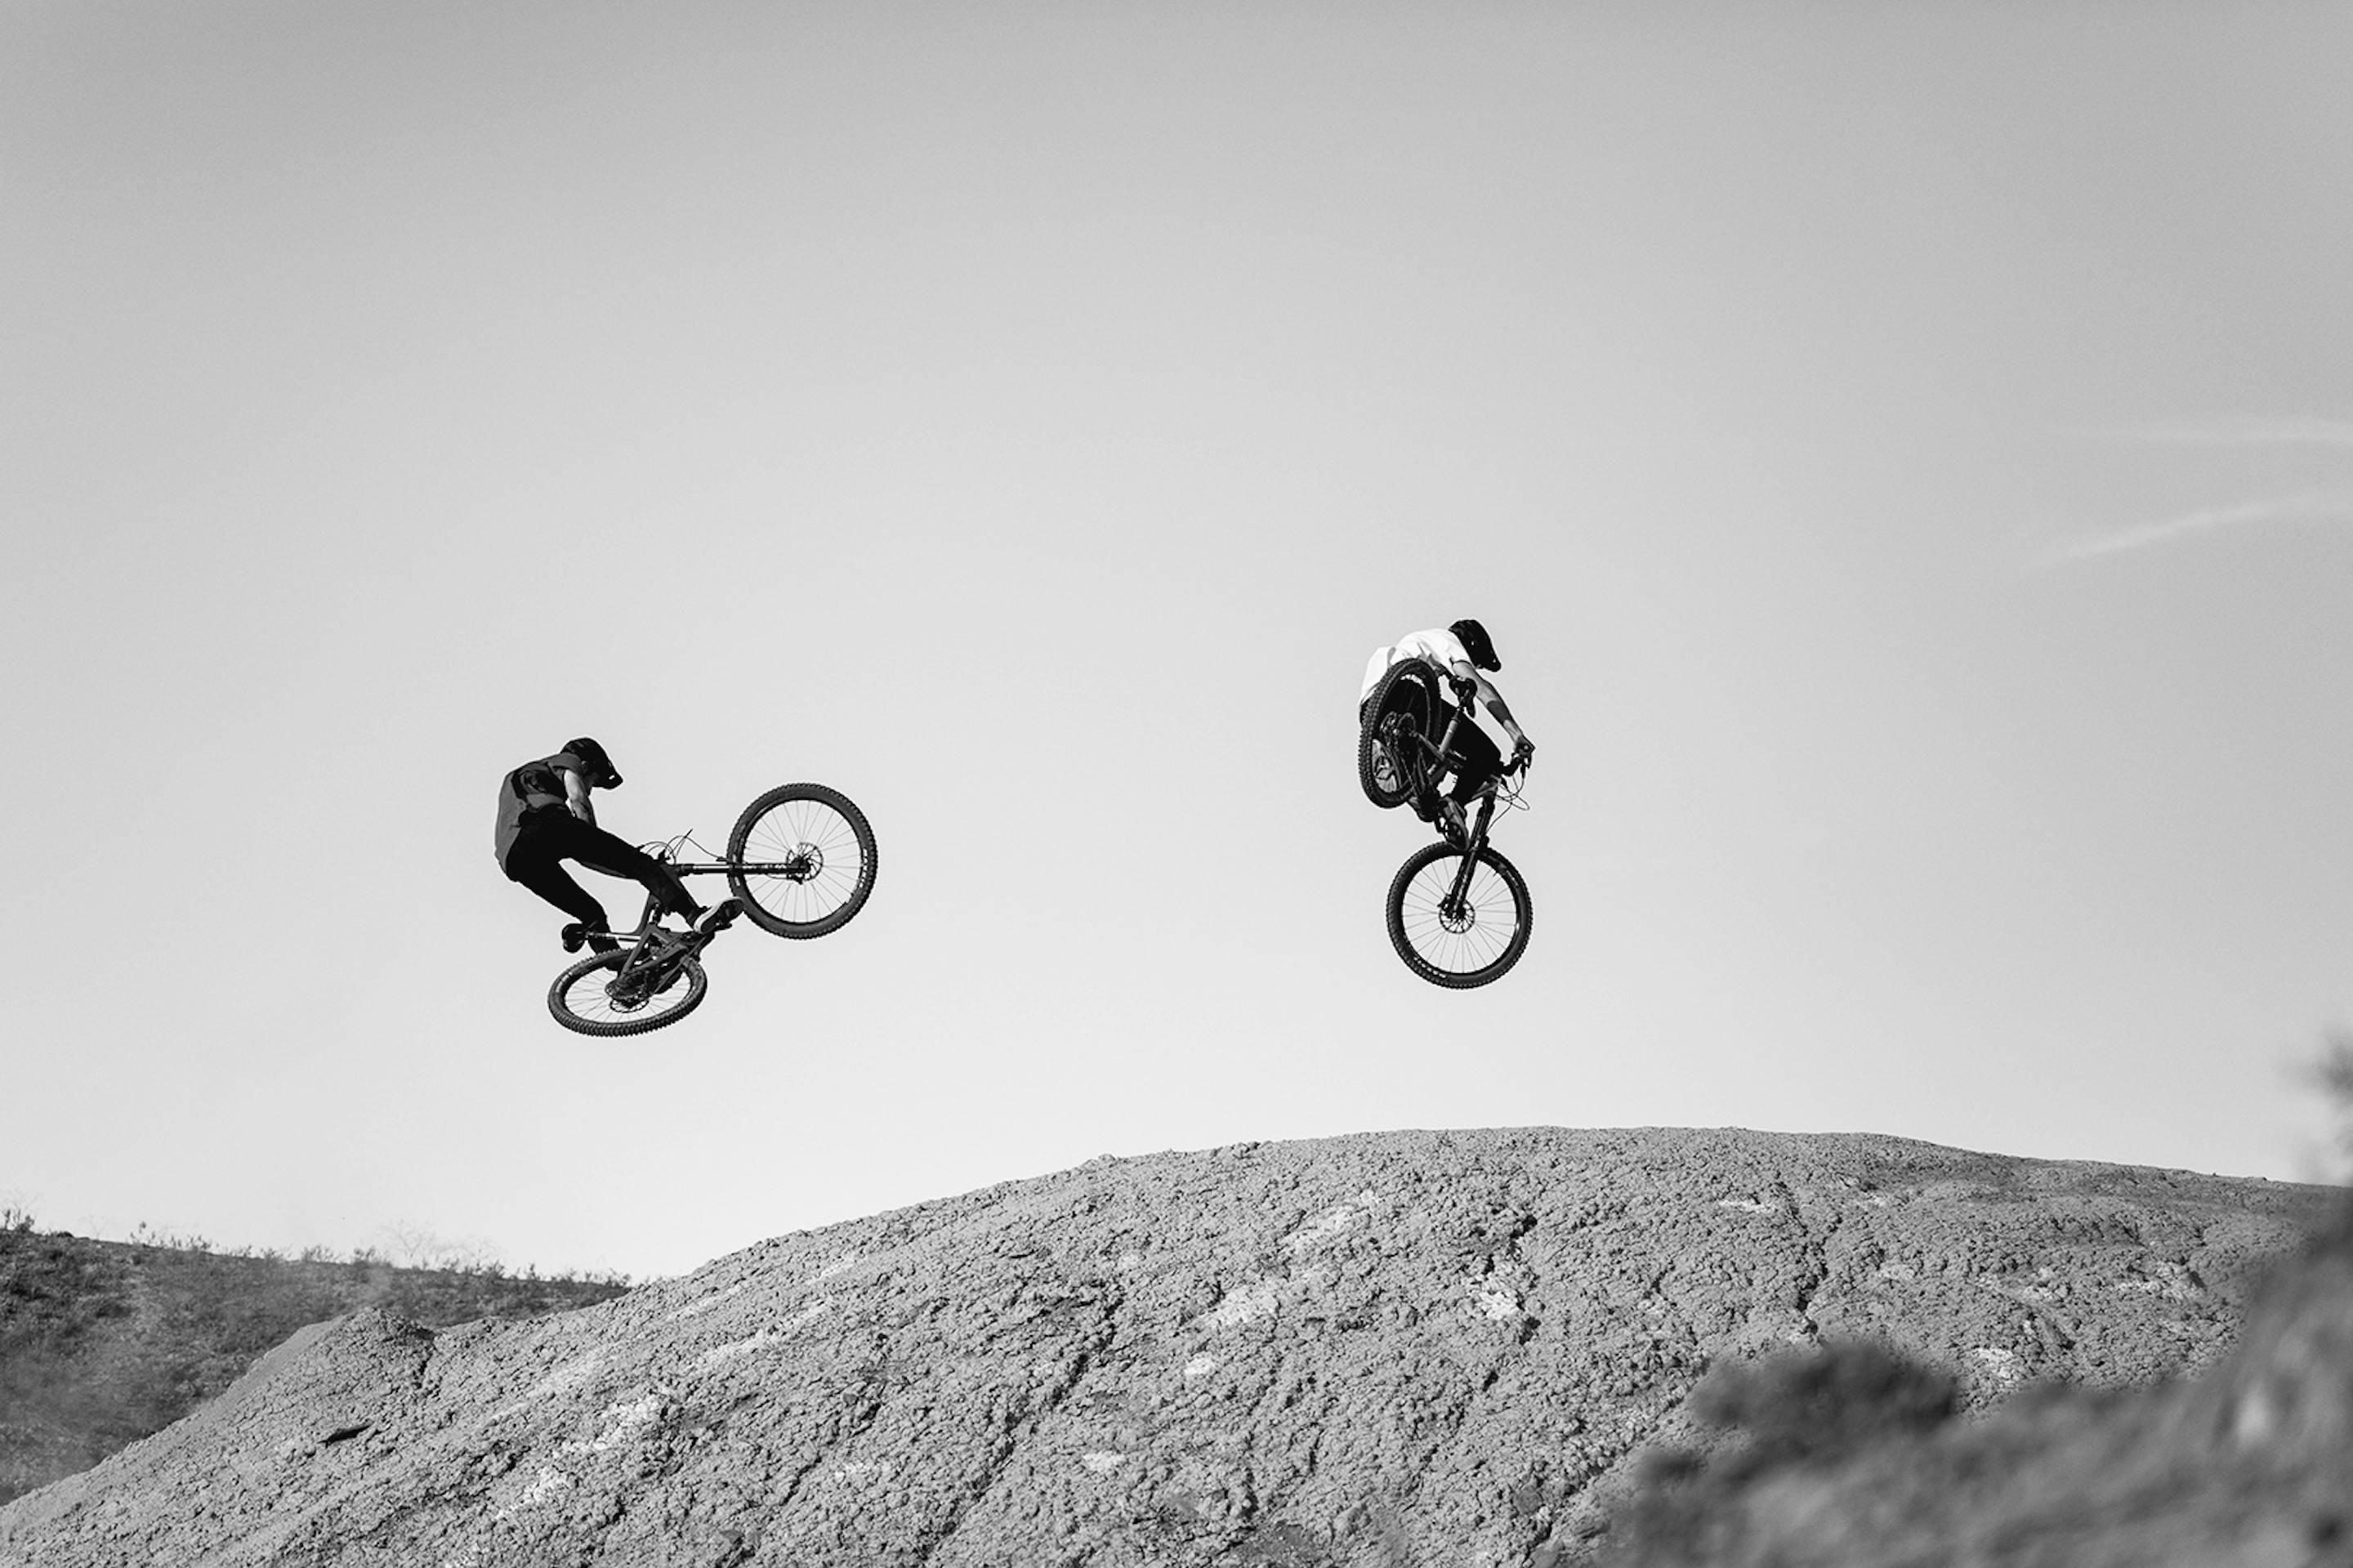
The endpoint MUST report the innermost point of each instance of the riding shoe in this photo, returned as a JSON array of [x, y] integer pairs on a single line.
[[720, 916], [1450, 820], [597, 938]]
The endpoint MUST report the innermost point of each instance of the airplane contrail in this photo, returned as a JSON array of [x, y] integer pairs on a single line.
[[2255, 430], [2308, 505]]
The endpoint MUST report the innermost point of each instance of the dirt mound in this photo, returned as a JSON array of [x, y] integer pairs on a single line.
[[1397, 1349]]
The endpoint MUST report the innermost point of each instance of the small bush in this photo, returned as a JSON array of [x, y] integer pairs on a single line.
[[1802, 1409]]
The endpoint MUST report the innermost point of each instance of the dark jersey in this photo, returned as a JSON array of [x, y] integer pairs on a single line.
[[530, 790]]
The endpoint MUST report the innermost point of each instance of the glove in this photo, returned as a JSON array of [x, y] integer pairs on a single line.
[[1523, 753]]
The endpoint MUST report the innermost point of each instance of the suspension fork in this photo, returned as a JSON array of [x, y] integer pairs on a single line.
[[1474, 831], [1474, 839]]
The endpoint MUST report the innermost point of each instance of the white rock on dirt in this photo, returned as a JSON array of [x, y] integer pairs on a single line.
[[1364, 1352]]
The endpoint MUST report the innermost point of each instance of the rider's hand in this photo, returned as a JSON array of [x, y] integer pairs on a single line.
[[1523, 753]]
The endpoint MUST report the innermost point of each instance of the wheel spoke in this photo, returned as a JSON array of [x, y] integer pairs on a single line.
[[1464, 942], [798, 828], [587, 996]]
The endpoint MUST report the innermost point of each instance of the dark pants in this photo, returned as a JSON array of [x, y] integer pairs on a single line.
[[1476, 761], [550, 838], [1472, 756]]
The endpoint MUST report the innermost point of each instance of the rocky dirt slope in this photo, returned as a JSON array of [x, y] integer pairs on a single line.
[[103, 1343], [1388, 1349]]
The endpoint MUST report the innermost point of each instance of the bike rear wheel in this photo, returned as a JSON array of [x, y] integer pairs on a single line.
[[1459, 945], [1404, 692], [802, 860], [606, 995]]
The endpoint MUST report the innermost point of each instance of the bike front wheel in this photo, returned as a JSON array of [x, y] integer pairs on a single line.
[[802, 860], [603, 996], [1465, 940]]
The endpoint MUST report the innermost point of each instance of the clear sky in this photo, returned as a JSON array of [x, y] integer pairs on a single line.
[[1905, 455]]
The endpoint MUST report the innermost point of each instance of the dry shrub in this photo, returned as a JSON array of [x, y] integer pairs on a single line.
[[1794, 1411]]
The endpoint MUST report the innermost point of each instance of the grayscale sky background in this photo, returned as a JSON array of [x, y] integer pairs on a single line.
[[1905, 455]]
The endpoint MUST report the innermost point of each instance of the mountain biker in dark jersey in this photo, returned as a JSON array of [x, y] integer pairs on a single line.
[[1457, 654], [545, 819]]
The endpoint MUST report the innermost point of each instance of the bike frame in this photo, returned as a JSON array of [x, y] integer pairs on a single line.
[[794, 849], [1429, 767], [649, 919], [643, 953], [665, 852]]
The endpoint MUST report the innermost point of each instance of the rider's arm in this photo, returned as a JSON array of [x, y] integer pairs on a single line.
[[1493, 699], [576, 795]]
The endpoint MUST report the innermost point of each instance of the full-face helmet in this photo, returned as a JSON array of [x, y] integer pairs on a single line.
[[1476, 643], [596, 767]]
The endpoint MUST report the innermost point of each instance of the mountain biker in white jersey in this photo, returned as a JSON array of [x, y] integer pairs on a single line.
[[1457, 653], [545, 819]]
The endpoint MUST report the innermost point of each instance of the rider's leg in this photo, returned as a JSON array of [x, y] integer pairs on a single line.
[[545, 875], [1476, 760], [602, 851]]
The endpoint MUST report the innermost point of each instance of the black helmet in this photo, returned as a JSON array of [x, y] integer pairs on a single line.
[[1475, 642], [597, 767]]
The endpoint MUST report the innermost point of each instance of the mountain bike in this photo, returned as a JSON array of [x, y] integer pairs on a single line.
[[799, 863], [1459, 913]]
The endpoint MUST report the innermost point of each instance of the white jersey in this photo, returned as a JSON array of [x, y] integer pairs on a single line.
[[1440, 646]]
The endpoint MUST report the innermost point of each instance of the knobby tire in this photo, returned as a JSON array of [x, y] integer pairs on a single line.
[[1477, 955], [1369, 743], [579, 1000], [829, 846]]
